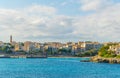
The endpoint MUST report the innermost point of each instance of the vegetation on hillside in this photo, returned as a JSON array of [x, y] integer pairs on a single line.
[[88, 53], [105, 52]]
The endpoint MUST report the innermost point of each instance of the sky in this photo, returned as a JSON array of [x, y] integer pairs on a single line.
[[60, 20]]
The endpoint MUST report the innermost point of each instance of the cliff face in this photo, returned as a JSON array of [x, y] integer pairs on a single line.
[[105, 60]]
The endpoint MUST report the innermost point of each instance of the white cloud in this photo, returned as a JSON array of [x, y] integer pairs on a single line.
[[93, 5], [40, 23], [102, 24], [41, 9]]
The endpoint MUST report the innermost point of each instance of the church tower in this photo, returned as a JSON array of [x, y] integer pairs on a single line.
[[10, 38]]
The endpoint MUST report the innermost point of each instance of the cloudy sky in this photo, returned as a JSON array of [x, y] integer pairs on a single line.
[[60, 20]]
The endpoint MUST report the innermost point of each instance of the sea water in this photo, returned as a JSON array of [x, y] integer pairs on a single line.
[[56, 68]]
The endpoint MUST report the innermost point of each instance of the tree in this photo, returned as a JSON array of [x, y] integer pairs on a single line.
[[103, 52], [5, 48]]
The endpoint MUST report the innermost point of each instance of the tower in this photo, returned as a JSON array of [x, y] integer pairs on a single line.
[[10, 38]]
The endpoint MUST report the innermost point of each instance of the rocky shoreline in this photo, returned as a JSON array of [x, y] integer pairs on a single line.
[[99, 59]]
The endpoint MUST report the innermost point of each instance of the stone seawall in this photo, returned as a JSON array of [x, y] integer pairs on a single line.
[[105, 60]]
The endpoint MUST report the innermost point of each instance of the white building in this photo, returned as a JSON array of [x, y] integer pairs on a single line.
[[115, 48]]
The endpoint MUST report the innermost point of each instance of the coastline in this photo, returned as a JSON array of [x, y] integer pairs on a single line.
[[66, 57], [99, 59], [42, 57], [23, 57]]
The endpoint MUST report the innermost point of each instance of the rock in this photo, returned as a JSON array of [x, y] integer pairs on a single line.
[[105, 60], [84, 60]]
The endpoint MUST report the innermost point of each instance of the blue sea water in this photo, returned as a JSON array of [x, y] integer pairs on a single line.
[[56, 68]]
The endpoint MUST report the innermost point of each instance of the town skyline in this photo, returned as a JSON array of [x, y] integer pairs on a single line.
[[49, 48]]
